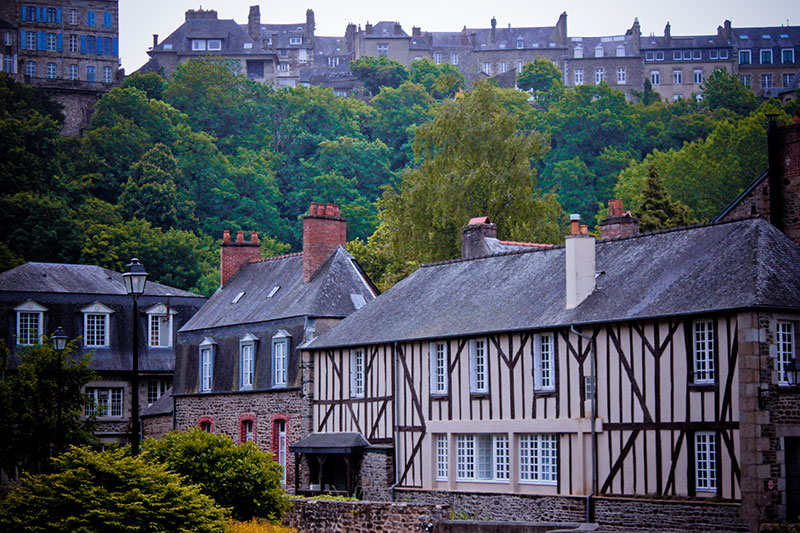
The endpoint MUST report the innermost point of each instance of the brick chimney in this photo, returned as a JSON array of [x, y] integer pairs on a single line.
[[254, 23], [618, 224], [324, 230], [472, 237], [201, 14], [580, 263], [416, 31], [232, 255], [368, 29]]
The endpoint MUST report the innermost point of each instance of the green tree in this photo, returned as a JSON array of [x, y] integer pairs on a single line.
[[41, 403], [542, 78], [648, 95], [109, 491], [475, 161], [398, 113], [151, 83], [242, 478], [441, 81], [723, 90], [377, 72], [658, 210]]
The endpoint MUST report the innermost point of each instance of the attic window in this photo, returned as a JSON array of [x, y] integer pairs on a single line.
[[502, 45], [784, 35], [168, 46], [238, 297], [767, 36], [744, 36], [295, 40], [248, 46], [358, 300], [215, 44], [274, 290]]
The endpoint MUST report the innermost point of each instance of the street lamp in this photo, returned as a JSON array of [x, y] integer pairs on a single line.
[[135, 279], [59, 339]]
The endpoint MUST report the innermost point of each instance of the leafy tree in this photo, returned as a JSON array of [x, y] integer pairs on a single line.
[[648, 95], [377, 72], [242, 478], [41, 403], [398, 113], [441, 81], [658, 210], [109, 491], [723, 90], [542, 78], [151, 83], [475, 161]]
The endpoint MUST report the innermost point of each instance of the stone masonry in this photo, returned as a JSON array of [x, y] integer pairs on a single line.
[[312, 516]]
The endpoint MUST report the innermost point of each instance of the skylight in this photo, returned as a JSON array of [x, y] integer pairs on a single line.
[[358, 300], [238, 297], [274, 290]]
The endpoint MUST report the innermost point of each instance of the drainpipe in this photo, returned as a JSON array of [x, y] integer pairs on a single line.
[[396, 423], [589, 510]]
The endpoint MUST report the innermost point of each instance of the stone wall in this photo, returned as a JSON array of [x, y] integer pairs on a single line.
[[377, 473], [156, 426], [326, 516], [627, 514]]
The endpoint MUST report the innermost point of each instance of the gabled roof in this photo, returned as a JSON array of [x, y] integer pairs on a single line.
[[282, 33], [162, 406], [386, 30], [732, 265], [766, 37], [506, 38], [327, 294], [234, 38], [688, 41], [84, 279]]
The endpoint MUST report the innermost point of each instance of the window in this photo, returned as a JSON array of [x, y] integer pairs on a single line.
[[73, 43], [478, 367], [30, 69], [30, 323], [454, 59], [437, 58], [283, 67], [214, 44], [705, 460], [30, 40], [766, 81], [73, 16], [156, 389], [357, 373], [687, 55], [703, 348], [544, 378], [103, 401], [621, 76], [51, 71], [713, 54], [538, 459], [295, 40], [578, 76], [660, 55], [9, 39], [383, 49], [578, 52], [280, 350], [723, 54], [107, 79], [438, 367], [787, 79], [247, 361], [766, 57], [677, 77], [787, 56], [649, 56], [655, 77], [279, 446], [206, 424], [441, 457], [50, 14], [676, 55], [106, 19], [52, 42], [73, 72], [159, 317], [620, 50], [599, 75], [96, 325], [482, 457], [744, 57], [745, 79], [284, 53], [503, 67], [90, 73], [698, 55], [698, 76], [677, 96], [31, 13], [106, 46], [520, 44], [487, 68], [8, 64], [91, 44], [247, 431], [598, 51], [519, 66], [198, 45], [785, 340], [90, 18], [207, 349]]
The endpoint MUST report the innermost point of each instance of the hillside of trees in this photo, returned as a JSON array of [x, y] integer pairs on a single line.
[[165, 166]]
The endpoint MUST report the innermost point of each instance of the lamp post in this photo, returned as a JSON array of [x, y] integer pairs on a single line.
[[59, 339], [135, 279]]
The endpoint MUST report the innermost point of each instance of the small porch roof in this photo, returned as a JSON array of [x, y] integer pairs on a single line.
[[330, 443]]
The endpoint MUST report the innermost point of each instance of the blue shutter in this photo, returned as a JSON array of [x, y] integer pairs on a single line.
[[90, 18], [116, 47], [40, 14], [58, 15], [24, 13], [22, 42], [42, 40], [107, 20], [60, 42], [99, 46], [83, 44]]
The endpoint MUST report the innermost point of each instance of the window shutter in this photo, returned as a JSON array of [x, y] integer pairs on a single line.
[[15, 64], [58, 15], [99, 46], [24, 13], [116, 47], [22, 43], [83, 44], [39, 14], [473, 365], [432, 366], [41, 40], [60, 42], [537, 361]]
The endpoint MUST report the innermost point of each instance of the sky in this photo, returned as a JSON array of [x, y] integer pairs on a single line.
[[140, 19]]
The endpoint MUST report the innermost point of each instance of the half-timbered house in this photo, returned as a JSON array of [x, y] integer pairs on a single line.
[[238, 364]]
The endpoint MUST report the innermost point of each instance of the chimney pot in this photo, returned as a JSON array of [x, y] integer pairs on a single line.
[[619, 223], [473, 237], [329, 209], [584, 229], [155, 40], [240, 236], [226, 236], [254, 237], [313, 209], [575, 222], [232, 255]]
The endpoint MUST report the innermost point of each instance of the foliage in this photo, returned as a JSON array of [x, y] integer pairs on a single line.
[[542, 78], [648, 95], [257, 526], [723, 90], [441, 81], [658, 210], [41, 403], [398, 112], [242, 478], [109, 491], [150, 83], [377, 72]]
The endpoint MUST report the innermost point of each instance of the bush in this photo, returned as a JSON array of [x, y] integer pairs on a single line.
[[257, 525], [110, 492], [242, 478]]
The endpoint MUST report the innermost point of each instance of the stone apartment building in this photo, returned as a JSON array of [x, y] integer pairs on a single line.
[[767, 58]]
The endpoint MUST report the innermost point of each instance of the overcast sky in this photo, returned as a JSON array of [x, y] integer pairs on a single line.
[[140, 19]]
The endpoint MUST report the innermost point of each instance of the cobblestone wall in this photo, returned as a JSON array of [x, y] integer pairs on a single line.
[[156, 426], [312, 516], [377, 474]]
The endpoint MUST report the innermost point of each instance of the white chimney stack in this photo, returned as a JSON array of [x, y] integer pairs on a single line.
[[580, 263]]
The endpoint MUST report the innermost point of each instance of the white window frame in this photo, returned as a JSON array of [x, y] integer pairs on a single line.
[[703, 339], [520, 44], [622, 76], [599, 75], [745, 57], [357, 372], [26, 312], [104, 402], [482, 457], [677, 55], [478, 366], [677, 77], [439, 372], [73, 16], [487, 68], [454, 59], [598, 51], [249, 430], [198, 45], [697, 55], [280, 358], [578, 76], [52, 72], [765, 52], [697, 76], [30, 69], [207, 350], [577, 52], [383, 49], [766, 81], [649, 56], [156, 389], [786, 350], [91, 73], [295, 40], [91, 325], [744, 79], [214, 45], [282, 447], [787, 79], [157, 318], [538, 458], [30, 37], [660, 55], [503, 67], [73, 43], [544, 362], [51, 42], [705, 461], [107, 75], [437, 58], [247, 361], [655, 77], [713, 54], [441, 457], [620, 50], [784, 52]]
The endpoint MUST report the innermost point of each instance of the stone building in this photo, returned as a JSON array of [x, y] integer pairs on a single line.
[[91, 304], [767, 58], [238, 369]]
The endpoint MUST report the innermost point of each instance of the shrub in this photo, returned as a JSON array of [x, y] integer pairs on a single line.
[[257, 525]]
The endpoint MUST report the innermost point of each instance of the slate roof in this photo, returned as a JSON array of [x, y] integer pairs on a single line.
[[386, 30], [757, 37], [163, 406], [681, 42], [233, 37], [329, 443], [506, 38], [327, 294], [609, 45], [281, 34], [731, 265], [84, 279]]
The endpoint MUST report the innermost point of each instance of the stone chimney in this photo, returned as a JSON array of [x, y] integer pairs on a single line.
[[324, 230], [493, 36], [398, 29], [472, 237], [416, 31], [350, 37], [580, 261], [254, 23], [725, 30], [618, 224], [155, 40], [368, 28], [201, 14], [636, 33], [232, 255], [560, 31], [310, 25]]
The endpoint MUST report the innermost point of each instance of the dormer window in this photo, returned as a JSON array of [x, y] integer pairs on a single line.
[[578, 52], [214, 44], [295, 40], [598, 51], [620, 50], [30, 323], [520, 44], [208, 349], [159, 326], [96, 325], [247, 361], [280, 357], [198, 45]]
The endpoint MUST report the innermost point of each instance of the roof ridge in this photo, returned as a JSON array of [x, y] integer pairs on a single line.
[[275, 257]]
